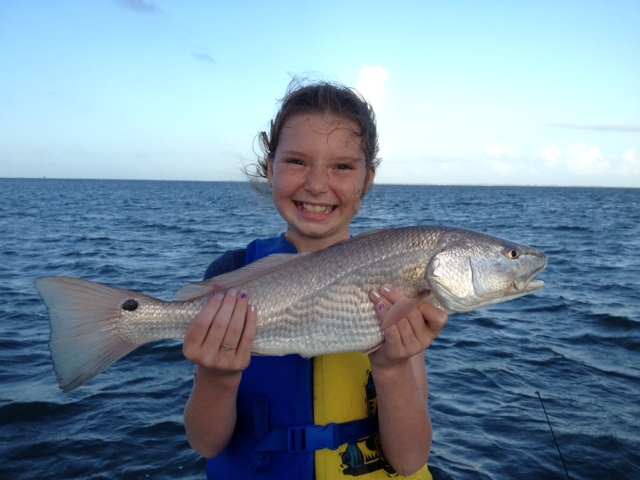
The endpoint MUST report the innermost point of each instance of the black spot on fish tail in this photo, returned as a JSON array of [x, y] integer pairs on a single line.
[[130, 305]]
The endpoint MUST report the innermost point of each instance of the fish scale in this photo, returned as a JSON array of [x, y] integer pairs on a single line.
[[308, 304]]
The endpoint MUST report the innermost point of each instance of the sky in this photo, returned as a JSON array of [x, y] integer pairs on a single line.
[[465, 92]]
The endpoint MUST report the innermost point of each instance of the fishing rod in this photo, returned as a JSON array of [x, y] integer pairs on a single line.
[[566, 472]]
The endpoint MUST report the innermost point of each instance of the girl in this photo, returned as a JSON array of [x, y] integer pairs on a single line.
[[332, 416]]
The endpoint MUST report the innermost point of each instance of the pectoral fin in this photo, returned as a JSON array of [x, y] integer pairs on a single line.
[[402, 308]]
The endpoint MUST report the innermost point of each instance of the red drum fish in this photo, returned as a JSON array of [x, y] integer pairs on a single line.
[[308, 304]]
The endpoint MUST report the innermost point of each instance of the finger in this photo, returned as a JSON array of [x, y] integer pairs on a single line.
[[435, 318], [421, 328], [249, 332], [382, 305], [197, 332], [390, 292], [384, 308], [221, 321], [391, 334], [413, 332], [236, 323]]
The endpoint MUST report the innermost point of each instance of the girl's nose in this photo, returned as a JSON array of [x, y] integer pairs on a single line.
[[317, 182]]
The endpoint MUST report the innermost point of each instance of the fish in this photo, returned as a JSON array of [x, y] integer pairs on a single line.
[[308, 304]]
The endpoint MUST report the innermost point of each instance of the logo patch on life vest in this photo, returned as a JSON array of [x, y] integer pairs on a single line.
[[365, 457]]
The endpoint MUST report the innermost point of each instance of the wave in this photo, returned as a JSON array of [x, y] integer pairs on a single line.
[[576, 341]]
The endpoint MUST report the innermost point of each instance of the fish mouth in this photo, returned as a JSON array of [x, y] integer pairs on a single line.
[[526, 283], [531, 286], [315, 208]]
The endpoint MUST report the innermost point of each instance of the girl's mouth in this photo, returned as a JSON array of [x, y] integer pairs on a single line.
[[317, 209]]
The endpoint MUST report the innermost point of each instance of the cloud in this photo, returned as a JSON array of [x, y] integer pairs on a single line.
[[203, 57], [598, 126], [500, 167], [371, 85], [501, 159], [578, 159], [140, 6], [585, 161], [551, 154], [498, 151], [630, 163]]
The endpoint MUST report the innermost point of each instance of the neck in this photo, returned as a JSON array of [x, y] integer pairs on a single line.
[[312, 244]]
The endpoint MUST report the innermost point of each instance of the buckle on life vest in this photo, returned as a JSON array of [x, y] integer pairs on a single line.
[[308, 438]]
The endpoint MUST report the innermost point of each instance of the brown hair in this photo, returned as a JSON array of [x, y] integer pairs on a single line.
[[318, 97]]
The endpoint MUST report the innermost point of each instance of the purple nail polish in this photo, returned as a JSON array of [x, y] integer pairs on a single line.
[[381, 306], [243, 295]]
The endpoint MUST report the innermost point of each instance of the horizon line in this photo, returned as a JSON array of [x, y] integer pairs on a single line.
[[527, 185]]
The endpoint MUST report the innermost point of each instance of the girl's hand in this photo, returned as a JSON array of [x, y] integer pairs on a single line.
[[411, 335], [221, 336]]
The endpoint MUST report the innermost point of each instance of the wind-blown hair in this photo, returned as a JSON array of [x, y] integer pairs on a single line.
[[323, 97]]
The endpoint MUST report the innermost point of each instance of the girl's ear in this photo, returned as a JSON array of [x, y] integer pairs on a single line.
[[368, 181], [270, 172]]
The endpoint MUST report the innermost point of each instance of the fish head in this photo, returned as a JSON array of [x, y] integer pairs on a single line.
[[483, 271]]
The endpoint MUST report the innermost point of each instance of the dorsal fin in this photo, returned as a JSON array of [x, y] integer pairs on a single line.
[[231, 279]]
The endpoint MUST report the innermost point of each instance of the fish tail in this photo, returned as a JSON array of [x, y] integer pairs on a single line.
[[84, 319]]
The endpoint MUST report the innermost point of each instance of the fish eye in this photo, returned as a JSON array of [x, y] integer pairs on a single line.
[[513, 253]]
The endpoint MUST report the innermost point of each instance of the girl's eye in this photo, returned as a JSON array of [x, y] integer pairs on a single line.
[[294, 161], [345, 167]]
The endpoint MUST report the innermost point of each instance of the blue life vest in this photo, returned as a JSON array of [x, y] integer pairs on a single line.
[[276, 436], [276, 389]]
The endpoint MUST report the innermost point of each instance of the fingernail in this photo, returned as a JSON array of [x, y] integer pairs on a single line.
[[219, 296], [386, 289], [381, 306], [252, 308], [375, 294], [243, 295], [233, 292]]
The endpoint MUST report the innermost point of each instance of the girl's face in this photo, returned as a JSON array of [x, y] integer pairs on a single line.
[[318, 176]]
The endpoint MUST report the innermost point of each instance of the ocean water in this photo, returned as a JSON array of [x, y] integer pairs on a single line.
[[576, 343]]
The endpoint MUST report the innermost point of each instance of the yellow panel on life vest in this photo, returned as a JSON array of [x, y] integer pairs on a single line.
[[343, 390]]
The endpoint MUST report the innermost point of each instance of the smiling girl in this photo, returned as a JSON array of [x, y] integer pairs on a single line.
[[334, 416]]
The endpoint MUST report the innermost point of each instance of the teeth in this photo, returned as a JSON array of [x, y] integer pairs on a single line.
[[315, 208]]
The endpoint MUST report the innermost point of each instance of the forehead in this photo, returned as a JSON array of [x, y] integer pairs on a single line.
[[326, 126], [321, 130]]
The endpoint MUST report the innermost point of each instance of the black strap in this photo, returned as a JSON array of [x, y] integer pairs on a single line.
[[309, 438], [303, 438]]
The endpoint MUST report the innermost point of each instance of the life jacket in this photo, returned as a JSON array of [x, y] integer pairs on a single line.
[[302, 418]]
